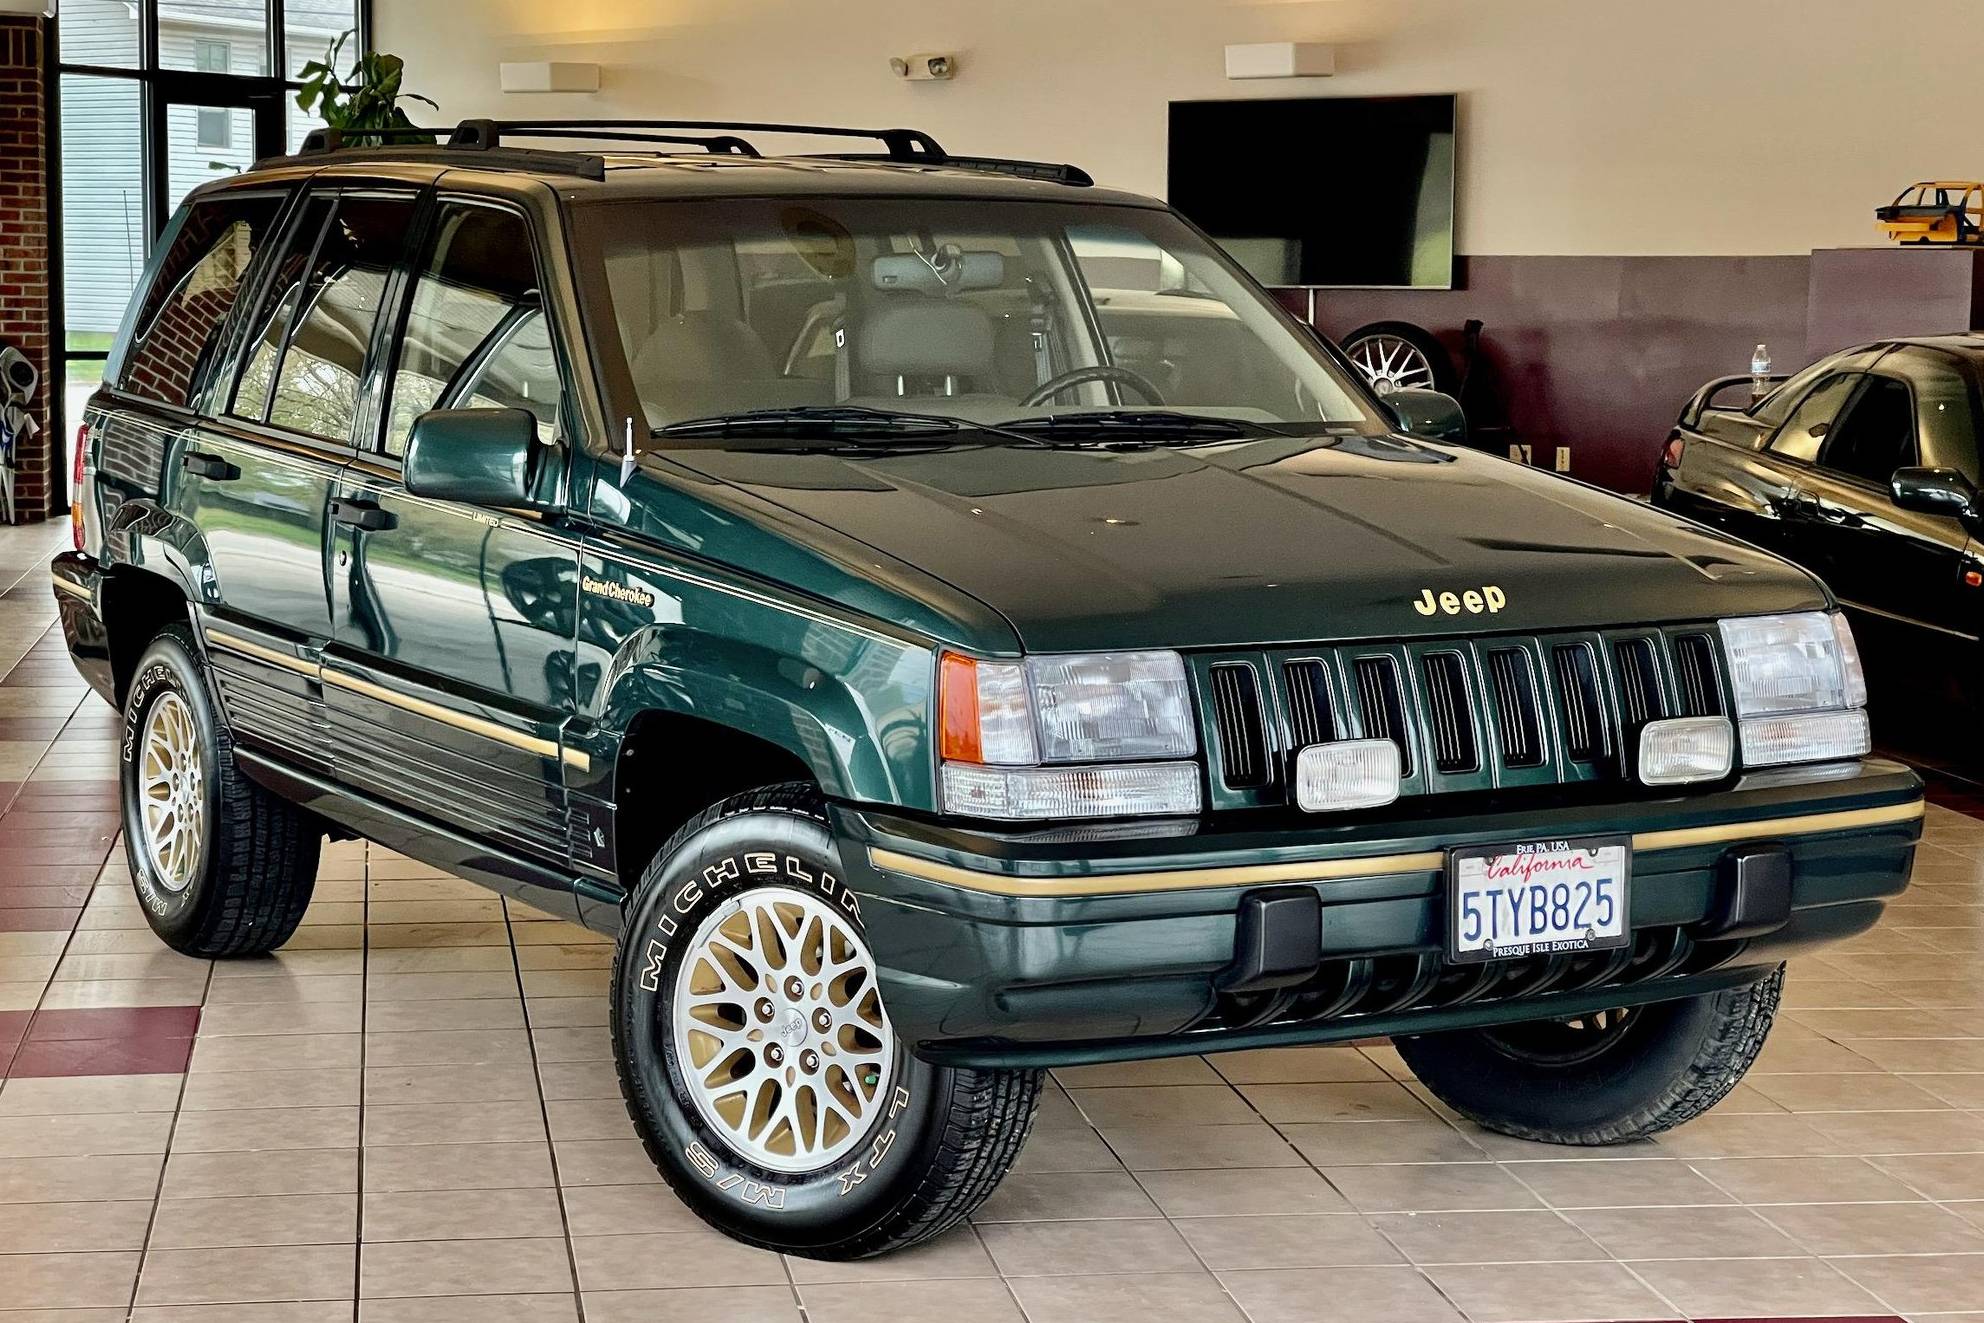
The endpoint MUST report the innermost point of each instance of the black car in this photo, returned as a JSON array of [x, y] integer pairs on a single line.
[[1863, 468]]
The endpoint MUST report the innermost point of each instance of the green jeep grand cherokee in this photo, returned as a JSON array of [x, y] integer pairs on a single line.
[[949, 623]]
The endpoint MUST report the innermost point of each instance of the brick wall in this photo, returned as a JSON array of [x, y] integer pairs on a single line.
[[24, 253]]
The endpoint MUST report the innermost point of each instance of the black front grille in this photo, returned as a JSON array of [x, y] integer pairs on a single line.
[[1694, 668], [1311, 712], [1466, 714], [1449, 712], [1383, 706], [1582, 701], [1236, 706], [1639, 682], [1517, 716]]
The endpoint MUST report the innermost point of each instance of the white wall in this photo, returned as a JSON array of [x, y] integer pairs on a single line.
[[1589, 126]]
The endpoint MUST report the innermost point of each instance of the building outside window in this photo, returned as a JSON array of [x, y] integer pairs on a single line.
[[216, 127]]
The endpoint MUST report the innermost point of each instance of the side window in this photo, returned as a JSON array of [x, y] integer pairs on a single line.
[[1805, 431], [178, 331], [1877, 435], [270, 324], [477, 335], [1946, 417], [318, 372]]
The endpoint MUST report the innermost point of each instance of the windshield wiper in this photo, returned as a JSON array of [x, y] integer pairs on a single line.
[[838, 420], [1141, 424]]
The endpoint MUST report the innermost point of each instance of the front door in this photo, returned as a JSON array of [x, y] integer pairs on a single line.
[[449, 683]]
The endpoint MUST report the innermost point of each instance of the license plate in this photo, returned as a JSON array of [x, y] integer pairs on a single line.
[[1537, 898]]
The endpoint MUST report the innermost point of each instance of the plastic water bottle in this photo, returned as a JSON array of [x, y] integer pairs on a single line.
[[1760, 372]]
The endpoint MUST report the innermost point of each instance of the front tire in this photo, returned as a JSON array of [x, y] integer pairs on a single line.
[[1600, 1079], [758, 1062], [222, 867]]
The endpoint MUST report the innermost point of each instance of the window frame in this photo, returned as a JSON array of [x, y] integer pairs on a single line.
[[412, 268], [1847, 476], [1858, 375], [222, 360], [221, 404]]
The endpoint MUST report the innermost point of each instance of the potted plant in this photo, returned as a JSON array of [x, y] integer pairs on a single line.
[[366, 97]]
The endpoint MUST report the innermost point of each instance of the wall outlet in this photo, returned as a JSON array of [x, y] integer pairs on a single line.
[[1563, 459], [1521, 453]]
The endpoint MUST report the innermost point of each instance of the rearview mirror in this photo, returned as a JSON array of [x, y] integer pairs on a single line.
[[1935, 491], [1430, 414], [479, 456]]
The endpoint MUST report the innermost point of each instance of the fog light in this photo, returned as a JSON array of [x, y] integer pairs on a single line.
[[1685, 749], [1346, 774], [1806, 737]]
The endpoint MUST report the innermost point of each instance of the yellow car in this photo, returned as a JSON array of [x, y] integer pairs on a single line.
[[1948, 211]]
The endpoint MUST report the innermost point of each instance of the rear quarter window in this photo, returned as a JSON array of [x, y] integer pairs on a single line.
[[178, 330]]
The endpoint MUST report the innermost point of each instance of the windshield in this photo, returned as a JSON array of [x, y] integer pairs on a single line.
[[990, 312]]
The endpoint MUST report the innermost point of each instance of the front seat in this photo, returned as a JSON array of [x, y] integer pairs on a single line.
[[940, 355]]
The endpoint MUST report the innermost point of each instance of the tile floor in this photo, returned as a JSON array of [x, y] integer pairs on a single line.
[[409, 1116]]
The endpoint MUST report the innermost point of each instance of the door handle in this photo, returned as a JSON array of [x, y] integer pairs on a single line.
[[211, 467], [1833, 514], [364, 516]]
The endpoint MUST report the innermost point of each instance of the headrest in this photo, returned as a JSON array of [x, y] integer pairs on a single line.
[[919, 337]]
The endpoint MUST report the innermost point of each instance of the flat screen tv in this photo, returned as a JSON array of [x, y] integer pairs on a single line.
[[1322, 190]]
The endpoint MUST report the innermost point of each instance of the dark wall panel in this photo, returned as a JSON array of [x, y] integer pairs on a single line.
[[1599, 353]]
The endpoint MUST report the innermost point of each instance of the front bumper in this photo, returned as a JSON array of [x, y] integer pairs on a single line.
[[1051, 948], [77, 581]]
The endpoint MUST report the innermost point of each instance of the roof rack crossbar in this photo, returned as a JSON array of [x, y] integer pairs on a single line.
[[903, 144], [722, 144]]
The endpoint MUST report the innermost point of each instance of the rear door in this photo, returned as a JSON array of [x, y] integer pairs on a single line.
[[449, 683], [261, 476]]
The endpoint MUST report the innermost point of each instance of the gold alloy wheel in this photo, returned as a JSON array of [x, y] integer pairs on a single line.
[[172, 793], [779, 1030]]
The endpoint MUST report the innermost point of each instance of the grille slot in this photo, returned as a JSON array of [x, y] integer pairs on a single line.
[[1450, 712], [1382, 706], [1577, 690], [1516, 711], [1311, 718], [1639, 682], [1694, 666], [1236, 707]]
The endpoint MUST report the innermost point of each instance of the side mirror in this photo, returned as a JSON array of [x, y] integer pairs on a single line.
[[1935, 491], [478, 456], [1430, 414]]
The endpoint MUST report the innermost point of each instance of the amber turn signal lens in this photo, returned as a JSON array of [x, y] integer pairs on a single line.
[[957, 709]]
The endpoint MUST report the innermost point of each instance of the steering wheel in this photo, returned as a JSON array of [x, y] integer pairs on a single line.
[[1082, 376]]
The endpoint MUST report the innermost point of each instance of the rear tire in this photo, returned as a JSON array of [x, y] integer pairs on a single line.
[[222, 867], [1600, 1079], [703, 1052]]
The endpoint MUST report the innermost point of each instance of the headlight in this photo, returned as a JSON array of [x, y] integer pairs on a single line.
[[1799, 688], [1125, 711]]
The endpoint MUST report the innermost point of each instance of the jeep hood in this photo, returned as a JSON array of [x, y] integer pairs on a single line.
[[1277, 540]]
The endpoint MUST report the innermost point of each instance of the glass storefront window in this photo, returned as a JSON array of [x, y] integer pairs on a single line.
[[212, 36], [104, 230], [100, 32], [312, 27]]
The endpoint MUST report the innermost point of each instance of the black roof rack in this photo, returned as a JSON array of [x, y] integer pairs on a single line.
[[486, 137]]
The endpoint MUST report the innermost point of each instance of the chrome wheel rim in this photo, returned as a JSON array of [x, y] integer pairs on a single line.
[[1392, 363], [779, 1031], [172, 800]]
